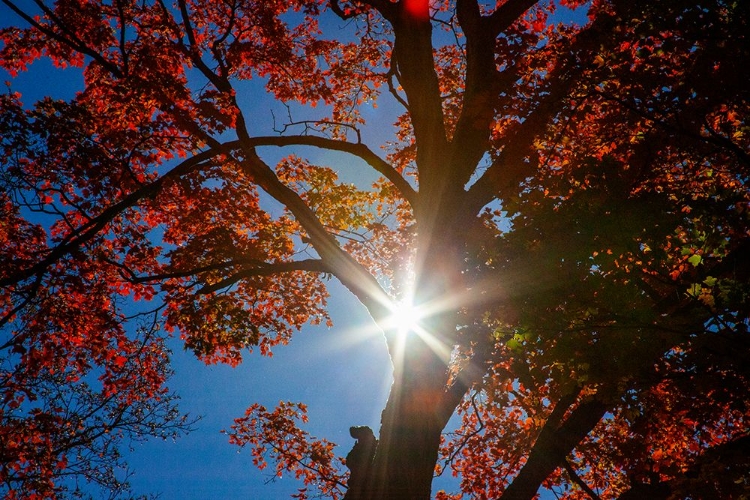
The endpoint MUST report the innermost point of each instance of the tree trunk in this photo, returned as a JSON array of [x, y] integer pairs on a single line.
[[418, 409]]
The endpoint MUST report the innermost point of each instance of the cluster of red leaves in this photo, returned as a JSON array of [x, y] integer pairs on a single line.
[[220, 298], [477, 452], [503, 422], [679, 448], [74, 378], [276, 435], [70, 400]]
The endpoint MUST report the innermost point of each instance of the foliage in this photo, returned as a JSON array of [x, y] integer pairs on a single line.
[[563, 198], [276, 434]]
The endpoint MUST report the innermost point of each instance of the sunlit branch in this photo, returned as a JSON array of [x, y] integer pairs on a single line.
[[357, 149], [351, 273]]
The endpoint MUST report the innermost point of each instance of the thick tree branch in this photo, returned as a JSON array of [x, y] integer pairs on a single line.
[[415, 66], [483, 84], [468, 14], [554, 443], [351, 273], [356, 149], [512, 167]]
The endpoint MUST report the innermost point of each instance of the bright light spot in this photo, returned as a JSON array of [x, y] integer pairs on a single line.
[[418, 9], [405, 317]]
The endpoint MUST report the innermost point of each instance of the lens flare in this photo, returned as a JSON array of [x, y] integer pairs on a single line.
[[405, 317], [419, 10]]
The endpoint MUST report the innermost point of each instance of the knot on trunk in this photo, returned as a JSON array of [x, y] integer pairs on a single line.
[[359, 461]]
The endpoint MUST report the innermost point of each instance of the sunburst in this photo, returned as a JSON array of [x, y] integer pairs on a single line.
[[405, 317]]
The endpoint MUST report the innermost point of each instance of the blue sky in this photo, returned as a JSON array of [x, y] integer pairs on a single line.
[[342, 374]]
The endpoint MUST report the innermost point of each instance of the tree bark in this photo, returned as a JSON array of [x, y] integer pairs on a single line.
[[417, 411], [420, 402], [555, 442]]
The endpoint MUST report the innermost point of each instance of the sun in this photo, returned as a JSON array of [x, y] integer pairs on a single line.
[[405, 317]]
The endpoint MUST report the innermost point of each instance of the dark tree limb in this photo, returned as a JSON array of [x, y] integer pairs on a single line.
[[415, 65], [556, 440], [513, 166], [580, 482], [266, 269]]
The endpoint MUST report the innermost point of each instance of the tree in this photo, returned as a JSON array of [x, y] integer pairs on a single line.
[[563, 209]]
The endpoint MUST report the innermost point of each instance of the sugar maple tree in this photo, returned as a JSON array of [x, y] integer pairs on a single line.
[[564, 204]]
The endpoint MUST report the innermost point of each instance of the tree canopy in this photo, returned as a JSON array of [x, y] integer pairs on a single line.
[[561, 206]]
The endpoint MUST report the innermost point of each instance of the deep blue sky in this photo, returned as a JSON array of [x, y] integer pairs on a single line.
[[342, 374]]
